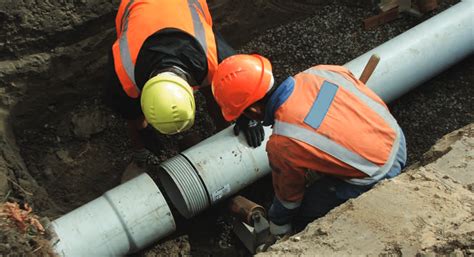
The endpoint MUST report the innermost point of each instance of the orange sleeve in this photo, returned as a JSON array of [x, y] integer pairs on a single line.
[[288, 178]]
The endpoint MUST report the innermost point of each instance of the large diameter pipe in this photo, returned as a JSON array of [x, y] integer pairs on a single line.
[[212, 170], [125, 219], [420, 53], [223, 164]]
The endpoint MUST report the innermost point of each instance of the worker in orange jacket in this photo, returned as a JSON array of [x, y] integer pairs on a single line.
[[163, 49], [333, 137]]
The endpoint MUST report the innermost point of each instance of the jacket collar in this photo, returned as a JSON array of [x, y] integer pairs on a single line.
[[278, 97]]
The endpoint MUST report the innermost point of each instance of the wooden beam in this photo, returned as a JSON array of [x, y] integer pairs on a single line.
[[381, 18]]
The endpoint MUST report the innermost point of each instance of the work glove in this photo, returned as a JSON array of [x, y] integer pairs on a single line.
[[252, 129]]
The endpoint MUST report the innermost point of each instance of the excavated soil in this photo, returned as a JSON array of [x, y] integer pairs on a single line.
[[61, 147]]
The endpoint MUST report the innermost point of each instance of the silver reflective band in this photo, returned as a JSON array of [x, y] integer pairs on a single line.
[[124, 48], [326, 145], [197, 24], [290, 205]]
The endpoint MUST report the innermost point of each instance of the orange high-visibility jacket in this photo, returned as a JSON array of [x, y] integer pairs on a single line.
[[138, 19], [332, 124]]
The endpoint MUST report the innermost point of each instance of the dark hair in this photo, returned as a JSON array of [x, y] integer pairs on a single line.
[[176, 70]]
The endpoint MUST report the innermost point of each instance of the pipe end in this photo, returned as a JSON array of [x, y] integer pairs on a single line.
[[184, 186]]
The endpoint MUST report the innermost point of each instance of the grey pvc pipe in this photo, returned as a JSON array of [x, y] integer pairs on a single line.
[[223, 164], [125, 219], [420, 53], [212, 170]]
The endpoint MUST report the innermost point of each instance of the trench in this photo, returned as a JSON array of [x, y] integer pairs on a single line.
[[76, 148]]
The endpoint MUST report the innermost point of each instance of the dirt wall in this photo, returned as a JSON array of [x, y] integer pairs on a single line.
[[48, 51]]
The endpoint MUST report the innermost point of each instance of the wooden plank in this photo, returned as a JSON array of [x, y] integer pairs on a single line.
[[369, 68], [381, 18]]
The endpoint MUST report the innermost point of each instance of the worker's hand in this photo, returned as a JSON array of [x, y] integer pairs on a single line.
[[252, 129]]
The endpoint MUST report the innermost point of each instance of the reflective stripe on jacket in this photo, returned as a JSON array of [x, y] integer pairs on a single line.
[[138, 19], [339, 121]]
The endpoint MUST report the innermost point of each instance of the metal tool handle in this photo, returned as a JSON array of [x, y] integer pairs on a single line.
[[369, 68], [244, 209]]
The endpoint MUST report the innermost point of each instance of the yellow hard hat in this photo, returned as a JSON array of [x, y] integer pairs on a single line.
[[168, 103]]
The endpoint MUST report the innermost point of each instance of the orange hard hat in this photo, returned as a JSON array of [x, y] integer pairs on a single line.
[[240, 81]]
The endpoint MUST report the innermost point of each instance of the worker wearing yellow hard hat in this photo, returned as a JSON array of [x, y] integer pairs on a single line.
[[168, 104], [163, 50]]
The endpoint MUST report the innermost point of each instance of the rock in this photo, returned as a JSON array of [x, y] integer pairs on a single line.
[[48, 173], [63, 155], [87, 124], [296, 239]]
